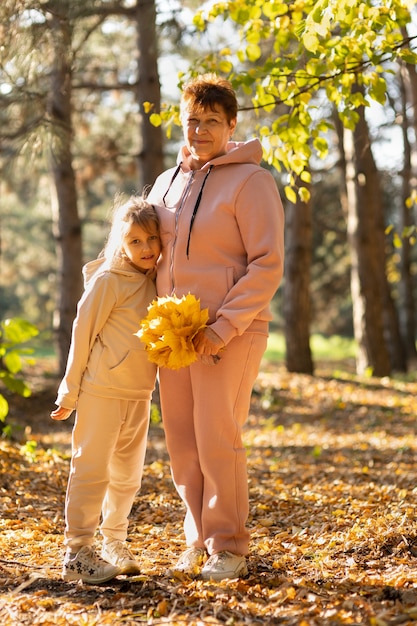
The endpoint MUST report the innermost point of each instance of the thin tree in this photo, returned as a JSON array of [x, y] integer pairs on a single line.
[[406, 219], [148, 90], [66, 221], [368, 261], [298, 253]]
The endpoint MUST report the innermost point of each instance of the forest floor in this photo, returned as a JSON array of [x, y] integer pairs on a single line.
[[333, 493]]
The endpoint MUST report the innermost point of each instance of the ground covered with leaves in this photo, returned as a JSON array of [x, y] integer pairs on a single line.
[[333, 491]]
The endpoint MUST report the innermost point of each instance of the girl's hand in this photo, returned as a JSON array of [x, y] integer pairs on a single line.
[[207, 342], [61, 413]]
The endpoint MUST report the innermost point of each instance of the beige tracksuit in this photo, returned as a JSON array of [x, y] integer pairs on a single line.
[[109, 381], [222, 234]]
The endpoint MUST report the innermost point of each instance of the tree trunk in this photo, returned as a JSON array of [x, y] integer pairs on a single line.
[[151, 153], [66, 221], [296, 292], [368, 279], [408, 82]]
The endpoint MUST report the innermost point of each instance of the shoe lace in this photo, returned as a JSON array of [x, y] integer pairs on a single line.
[[86, 557], [122, 551], [90, 558], [218, 559]]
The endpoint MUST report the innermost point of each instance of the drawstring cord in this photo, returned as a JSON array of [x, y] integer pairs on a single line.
[[177, 171], [197, 204]]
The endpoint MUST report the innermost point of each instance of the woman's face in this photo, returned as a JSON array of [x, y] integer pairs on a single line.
[[206, 133]]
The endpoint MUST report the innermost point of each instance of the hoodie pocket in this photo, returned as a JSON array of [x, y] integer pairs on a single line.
[[134, 371], [129, 371]]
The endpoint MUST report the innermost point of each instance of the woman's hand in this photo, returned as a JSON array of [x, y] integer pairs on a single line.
[[207, 342], [61, 414]]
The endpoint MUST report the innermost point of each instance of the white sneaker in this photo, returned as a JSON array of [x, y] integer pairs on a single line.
[[117, 553], [189, 563], [224, 565], [87, 566]]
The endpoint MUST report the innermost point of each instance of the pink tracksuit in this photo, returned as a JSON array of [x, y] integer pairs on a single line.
[[222, 230]]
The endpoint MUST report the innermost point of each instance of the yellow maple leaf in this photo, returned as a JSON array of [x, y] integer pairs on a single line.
[[168, 330]]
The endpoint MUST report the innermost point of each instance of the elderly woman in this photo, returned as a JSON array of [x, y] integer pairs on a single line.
[[222, 227]]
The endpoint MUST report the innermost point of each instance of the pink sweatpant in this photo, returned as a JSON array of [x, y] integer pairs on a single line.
[[203, 409], [108, 452]]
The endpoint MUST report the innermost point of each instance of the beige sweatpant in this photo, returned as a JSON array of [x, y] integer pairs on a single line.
[[203, 409], [108, 452]]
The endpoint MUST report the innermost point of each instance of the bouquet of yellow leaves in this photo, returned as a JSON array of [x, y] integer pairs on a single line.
[[168, 330]]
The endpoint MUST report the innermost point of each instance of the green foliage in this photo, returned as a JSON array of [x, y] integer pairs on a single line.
[[13, 333], [296, 59]]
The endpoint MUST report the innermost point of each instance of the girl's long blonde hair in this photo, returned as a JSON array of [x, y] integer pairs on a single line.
[[135, 211]]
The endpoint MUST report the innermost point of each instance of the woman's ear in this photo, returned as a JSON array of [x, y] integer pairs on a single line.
[[232, 126]]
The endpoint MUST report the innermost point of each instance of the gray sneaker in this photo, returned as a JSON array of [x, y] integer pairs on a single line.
[[189, 563], [224, 565], [117, 553], [87, 566]]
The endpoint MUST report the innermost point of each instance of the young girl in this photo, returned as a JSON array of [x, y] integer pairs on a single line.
[[109, 381]]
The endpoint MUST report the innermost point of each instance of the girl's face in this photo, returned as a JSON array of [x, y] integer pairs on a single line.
[[206, 133], [141, 248]]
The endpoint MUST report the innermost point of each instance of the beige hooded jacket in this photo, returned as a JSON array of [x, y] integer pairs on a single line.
[[106, 358]]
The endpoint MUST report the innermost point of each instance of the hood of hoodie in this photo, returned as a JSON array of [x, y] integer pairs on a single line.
[[118, 265], [237, 152]]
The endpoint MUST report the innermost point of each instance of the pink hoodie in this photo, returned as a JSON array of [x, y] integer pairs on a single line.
[[222, 230]]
